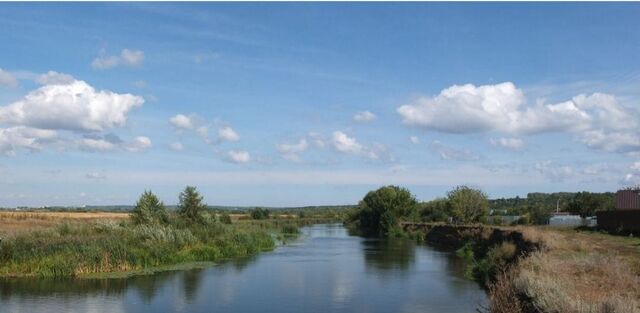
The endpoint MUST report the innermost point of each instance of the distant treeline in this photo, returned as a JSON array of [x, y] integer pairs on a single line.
[[581, 203]]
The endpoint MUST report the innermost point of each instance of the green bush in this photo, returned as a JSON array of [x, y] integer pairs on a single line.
[[381, 211], [259, 214], [149, 209]]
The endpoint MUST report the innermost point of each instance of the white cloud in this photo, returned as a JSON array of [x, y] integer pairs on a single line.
[[228, 134], [132, 58], [635, 166], [138, 144], [54, 78], [553, 172], [364, 117], [181, 121], [7, 79], [20, 137], [176, 146], [76, 106], [343, 143], [346, 144], [509, 143], [96, 145], [598, 119], [317, 140], [449, 153], [238, 156], [414, 140], [292, 151]]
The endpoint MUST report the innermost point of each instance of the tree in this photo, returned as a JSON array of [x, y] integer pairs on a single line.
[[259, 214], [435, 210], [468, 205], [381, 210], [587, 203], [149, 209], [191, 205]]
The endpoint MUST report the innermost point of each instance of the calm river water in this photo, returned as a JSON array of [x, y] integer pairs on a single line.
[[325, 271]]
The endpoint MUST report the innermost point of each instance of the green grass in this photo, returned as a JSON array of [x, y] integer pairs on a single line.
[[110, 247]]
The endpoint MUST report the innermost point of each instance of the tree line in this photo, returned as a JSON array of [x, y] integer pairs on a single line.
[[381, 211]]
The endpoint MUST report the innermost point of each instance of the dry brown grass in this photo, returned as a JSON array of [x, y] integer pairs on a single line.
[[17, 222], [576, 272]]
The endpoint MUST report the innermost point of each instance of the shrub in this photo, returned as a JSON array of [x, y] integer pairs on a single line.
[[149, 209], [259, 214], [225, 218]]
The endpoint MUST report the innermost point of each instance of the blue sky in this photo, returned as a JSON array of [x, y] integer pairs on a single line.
[[287, 104]]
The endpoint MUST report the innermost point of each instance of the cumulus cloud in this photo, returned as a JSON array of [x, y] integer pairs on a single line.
[[450, 153], [291, 151], [635, 166], [193, 122], [131, 58], [181, 121], [111, 142], [140, 143], [7, 79], [364, 117], [227, 133], [96, 145], [508, 143], [348, 145], [54, 78], [76, 106], [414, 140], [238, 156], [20, 137], [598, 120]]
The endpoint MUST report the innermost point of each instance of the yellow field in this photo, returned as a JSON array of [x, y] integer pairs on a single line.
[[14, 222]]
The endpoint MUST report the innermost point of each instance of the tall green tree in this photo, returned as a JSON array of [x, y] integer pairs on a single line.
[[191, 205], [149, 209], [468, 205], [380, 211], [587, 203]]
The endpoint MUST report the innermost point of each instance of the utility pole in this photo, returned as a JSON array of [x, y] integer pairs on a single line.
[[558, 206]]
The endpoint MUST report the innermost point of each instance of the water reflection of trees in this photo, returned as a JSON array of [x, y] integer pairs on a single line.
[[146, 286], [388, 255]]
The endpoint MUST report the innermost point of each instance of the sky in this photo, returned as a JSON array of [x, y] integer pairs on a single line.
[[293, 104]]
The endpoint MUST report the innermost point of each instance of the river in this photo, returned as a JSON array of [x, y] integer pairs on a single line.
[[326, 270]]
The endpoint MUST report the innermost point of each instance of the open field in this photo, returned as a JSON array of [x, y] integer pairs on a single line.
[[12, 222]]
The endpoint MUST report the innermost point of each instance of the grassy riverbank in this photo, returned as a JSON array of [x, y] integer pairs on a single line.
[[72, 248], [572, 272]]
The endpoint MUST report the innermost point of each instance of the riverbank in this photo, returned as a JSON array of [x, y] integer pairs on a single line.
[[541, 269], [86, 249]]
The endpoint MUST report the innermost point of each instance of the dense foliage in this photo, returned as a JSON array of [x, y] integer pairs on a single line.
[[149, 209], [191, 205], [380, 211], [259, 214], [468, 205]]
